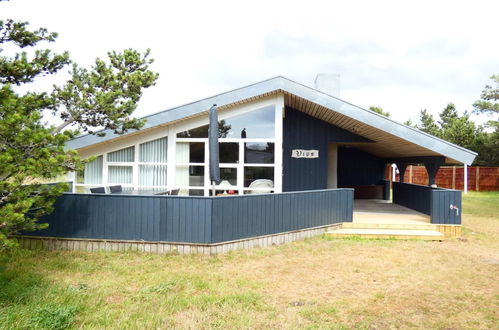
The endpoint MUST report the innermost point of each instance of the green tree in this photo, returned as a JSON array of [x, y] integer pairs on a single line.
[[409, 123], [460, 130], [428, 123], [102, 96], [488, 144], [380, 111], [448, 115], [489, 100]]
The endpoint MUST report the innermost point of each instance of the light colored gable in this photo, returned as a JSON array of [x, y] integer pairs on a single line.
[[281, 84]]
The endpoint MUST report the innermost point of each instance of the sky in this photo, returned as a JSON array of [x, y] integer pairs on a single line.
[[398, 55]]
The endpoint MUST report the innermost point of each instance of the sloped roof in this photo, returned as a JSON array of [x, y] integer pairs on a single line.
[[392, 138]]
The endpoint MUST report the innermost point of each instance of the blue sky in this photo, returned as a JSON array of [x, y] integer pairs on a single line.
[[401, 56]]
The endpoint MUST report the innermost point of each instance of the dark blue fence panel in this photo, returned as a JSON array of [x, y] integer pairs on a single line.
[[412, 196], [237, 217], [435, 202], [123, 217], [446, 206], [194, 219]]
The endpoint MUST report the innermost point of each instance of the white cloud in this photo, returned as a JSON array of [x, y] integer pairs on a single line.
[[401, 56]]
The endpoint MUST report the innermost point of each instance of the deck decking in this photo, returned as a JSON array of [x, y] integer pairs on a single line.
[[376, 211], [382, 219]]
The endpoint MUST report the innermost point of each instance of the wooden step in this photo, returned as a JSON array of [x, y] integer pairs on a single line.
[[411, 226], [431, 235]]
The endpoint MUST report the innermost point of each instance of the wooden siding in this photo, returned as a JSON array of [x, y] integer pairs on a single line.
[[357, 167], [255, 215], [386, 146], [440, 210], [301, 131], [127, 217], [434, 202], [194, 219], [413, 196]]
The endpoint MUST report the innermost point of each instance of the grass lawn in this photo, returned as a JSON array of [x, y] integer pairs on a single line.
[[314, 283]]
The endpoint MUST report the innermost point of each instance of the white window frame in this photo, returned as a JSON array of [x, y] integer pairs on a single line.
[[278, 102], [135, 165]]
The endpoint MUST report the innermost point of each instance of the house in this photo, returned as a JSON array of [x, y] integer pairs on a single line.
[[276, 136], [292, 160]]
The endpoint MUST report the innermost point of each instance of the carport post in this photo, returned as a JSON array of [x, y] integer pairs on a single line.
[[465, 178], [401, 167]]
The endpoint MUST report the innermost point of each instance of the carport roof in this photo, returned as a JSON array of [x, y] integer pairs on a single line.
[[391, 139]]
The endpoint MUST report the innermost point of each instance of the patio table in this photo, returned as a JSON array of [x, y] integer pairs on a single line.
[[141, 192]]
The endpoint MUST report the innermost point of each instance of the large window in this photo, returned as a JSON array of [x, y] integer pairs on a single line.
[[141, 166], [246, 144], [255, 124]]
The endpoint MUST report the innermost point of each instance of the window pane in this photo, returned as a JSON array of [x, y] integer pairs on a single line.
[[259, 153], [120, 174], [196, 192], [92, 174], [123, 155], [259, 177], [190, 152], [152, 175], [255, 124], [190, 176], [229, 153], [199, 132], [154, 151], [229, 175]]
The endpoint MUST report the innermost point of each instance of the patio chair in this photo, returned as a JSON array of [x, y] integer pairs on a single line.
[[174, 192], [98, 190], [261, 183], [115, 189]]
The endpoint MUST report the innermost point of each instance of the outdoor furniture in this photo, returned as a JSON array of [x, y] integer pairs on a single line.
[[261, 183], [174, 192], [140, 192], [98, 190], [115, 189]]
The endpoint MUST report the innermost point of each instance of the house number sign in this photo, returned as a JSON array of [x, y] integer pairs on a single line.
[[300, 153]]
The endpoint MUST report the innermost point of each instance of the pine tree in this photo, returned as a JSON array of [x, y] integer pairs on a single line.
[[428, 123], [103, 96]]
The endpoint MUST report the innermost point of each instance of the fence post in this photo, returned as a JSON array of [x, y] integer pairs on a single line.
[[454, 177], [477, 179]]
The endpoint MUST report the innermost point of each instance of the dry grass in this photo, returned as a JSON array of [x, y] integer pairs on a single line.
[[315, 283]]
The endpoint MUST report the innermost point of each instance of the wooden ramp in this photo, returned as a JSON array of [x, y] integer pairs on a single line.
[[378, 219]]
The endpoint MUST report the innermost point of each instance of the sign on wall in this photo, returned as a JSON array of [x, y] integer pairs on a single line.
[[300, 153]]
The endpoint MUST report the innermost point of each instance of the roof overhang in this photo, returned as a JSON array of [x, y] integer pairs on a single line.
[[392, 139]]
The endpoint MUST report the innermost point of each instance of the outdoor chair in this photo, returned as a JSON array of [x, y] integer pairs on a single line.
[[98, 190], [261, 183], [174, 192], [115, 189]]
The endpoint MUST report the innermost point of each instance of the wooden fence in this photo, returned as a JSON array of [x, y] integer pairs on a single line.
[[480, 178], [442, 205], [205, 220]]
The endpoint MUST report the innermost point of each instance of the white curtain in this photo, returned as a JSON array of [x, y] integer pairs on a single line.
[[152, 175], [123, 155], [120, 174], [154, 151], [93, 171], [183, 152]]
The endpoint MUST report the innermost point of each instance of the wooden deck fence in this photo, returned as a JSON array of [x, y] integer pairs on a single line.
[[480, 178], [205, 220]]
